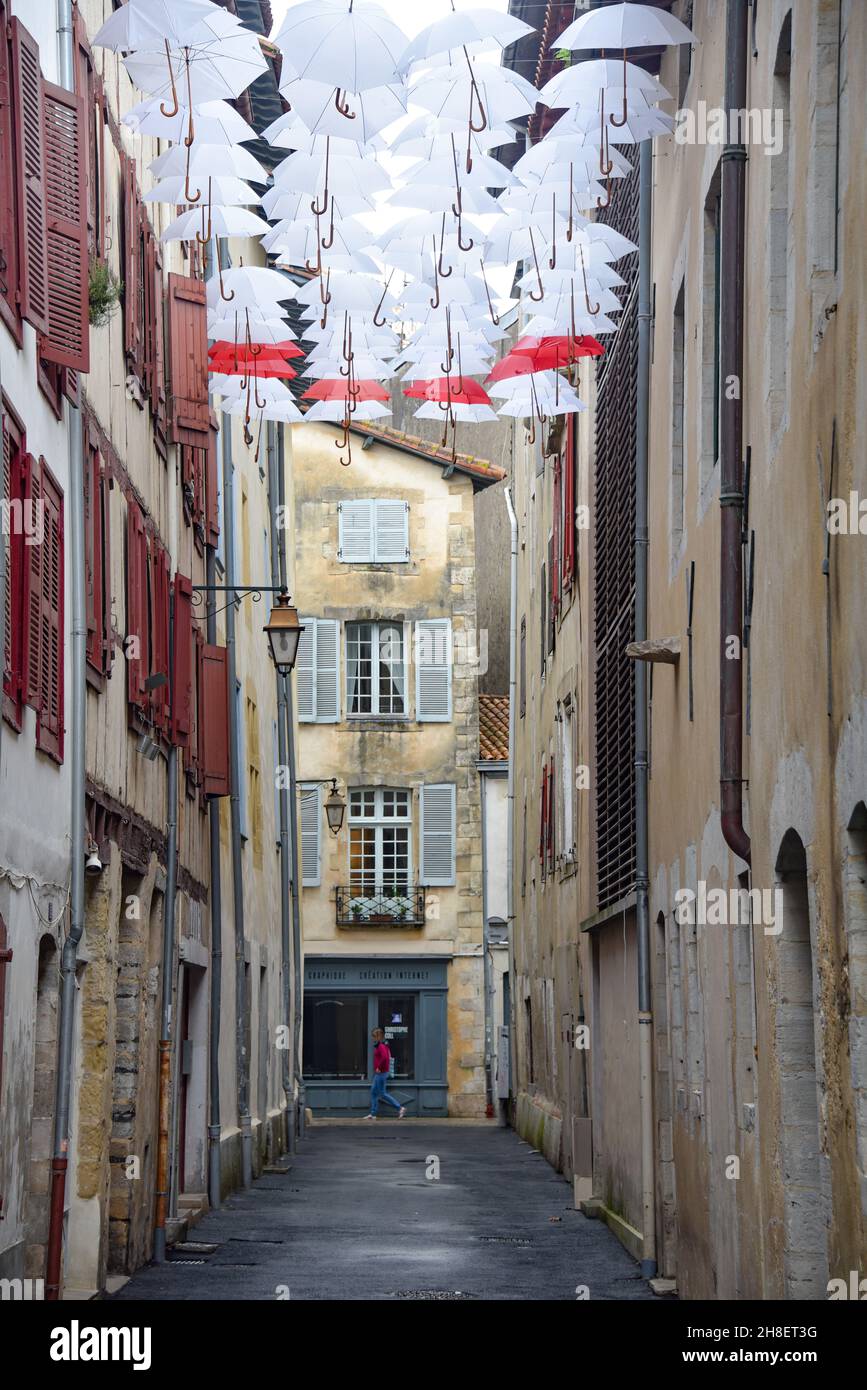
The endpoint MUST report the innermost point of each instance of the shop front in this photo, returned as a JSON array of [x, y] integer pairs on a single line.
[[345, 998]]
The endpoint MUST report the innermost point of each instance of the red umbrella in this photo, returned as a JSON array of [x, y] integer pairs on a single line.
[[284, 350], [542, 355], [460, 390], [331, 389], [229, 367]]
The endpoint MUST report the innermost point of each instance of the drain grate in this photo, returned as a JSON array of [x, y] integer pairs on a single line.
[[173, 1260], [503, 1240], [430, 1295]]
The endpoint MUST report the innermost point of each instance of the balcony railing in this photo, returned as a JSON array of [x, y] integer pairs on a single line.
[[379, 905]]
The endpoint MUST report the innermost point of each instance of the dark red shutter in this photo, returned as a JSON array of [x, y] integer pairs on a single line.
[[136, 605], [68, 338], [569, 466], [132, 327], [17, 470], [182, 702], [193, 747], [8, 198], [551, 816], [30, 177], [92, 554], [189, 409], [543, 820], [555, 540], [159, 589], [214, 722], [107, 621], [46, 619], [212, 505]]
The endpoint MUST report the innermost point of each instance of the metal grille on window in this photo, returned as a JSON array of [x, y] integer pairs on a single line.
[[614, 585]]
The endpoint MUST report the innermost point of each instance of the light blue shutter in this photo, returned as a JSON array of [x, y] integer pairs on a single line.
[[433, 670], [305, 665], [438, 834], [355, 531], [327, 661], [310, 824], [391, 531]]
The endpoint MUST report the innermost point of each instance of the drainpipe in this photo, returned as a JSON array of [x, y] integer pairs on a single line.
[[510, 785], [215, 1182], [78, 652], [642, 876], [242, 1060], [278, 576], [164, 1157], [733, 179], [297, 947], [486, 964]]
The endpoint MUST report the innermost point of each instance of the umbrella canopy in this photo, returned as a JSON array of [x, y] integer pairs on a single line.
[[253, 286], [450, 388], [215, 122], [214, 161], [460, 413], [464, 27], [351, 49], [624, 26], [543, 354], [149, 23], [336, 390], [339, 410], [218, 59], [221, 222], [373, 110]]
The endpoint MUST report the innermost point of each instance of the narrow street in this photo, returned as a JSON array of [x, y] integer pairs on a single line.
[[355, 1217]]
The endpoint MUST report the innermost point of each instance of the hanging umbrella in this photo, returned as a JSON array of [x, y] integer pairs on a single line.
[[531, 355], [460, 412], [446, 388], [215, 122], [225, 191], [464, 27], [218, 58], [149, 23], [209, 161], [247, 328], [583, 82], [253, 286], [494, 94], [372, 110], [222, 222], [330, 389], [351, 47]]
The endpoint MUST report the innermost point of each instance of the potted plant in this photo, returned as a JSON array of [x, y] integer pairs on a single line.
[[357, 911], [103, 293]]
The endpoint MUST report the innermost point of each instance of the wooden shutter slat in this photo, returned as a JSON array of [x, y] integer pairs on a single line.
[[189, 406], [67, 341], [215, 721], [355, 531], [311, 820], [136, 604], [30, 176], [17, 473], [107, 632], [8, 188], [212, 512], [437, 834], [182, 694], [391, 531], [305, 669], [433, 670], [327, 665], [49, 707]]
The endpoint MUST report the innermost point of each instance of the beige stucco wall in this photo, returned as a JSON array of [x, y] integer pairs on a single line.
[[438, 581]]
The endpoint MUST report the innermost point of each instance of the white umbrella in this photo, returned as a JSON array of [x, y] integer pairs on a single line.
[[460, 411], [215, 122], [288, 132], [624, 26], [336, 411], [370, 111], [238, 328], [221, 222], [148, 23], [365, 367], [253, 287], [583, 82], [354, 293], [642, 124], [219, 60], [497, 94], [351, 47], [464, 27], [420, 195], [228, 191], [209, 161], [426, 136]]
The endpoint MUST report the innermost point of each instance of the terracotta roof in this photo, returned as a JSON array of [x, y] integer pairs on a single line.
[[494, 728], [481, 471]]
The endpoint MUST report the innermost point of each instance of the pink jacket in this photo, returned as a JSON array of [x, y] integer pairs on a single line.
[[381, 1058]]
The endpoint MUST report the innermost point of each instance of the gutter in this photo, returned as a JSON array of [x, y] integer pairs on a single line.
[[733, 181], [510, 794], [215, 1176], [78, 653]]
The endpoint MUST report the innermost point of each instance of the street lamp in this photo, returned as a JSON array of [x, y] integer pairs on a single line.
[[335, 809], [284, 632]]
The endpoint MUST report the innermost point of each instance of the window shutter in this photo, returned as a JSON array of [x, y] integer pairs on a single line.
[[182, 658], [189, 407], [132, 325], [68, 338], [438, 835], [311, 820], [569, 465], [212, 502], [193, 751], [327, 697], [136, 605], [8, 194], [433, 670], [552, 580], [543, 820], [355, 531], [555, 540], [543, 617], [17, 486], [92, 555], [551, 815], [214, 722], [107, 628], [391, 531], [160, 586], [305, 671], [47, 620], [30, 175]]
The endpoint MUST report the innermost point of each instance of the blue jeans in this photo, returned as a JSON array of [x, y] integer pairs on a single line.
[[378, 1092]]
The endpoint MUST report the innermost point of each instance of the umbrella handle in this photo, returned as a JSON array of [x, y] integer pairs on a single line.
[[552, 259], [435, 302], [376, 319], [189, 196], [607, 203], [495, 318], [318, 212], [328, 242], [177, 106], [191, 130], [259, 440], [474, 92], [532, 435], [444, 274], [317, 268], [454, 440], [541, 295], [605, 162], [204, 237], [231, 295], [343, 109], [613, 119], [591, 308], [570, 228], [326, 285]]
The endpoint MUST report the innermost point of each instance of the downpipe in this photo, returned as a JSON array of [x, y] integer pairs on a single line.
[[510, 784], [164, 1165], [733, 181], [215, 1176], [78, 655], [642, 856]]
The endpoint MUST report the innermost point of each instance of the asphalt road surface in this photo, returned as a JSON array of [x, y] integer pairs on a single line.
[[399, 1210]]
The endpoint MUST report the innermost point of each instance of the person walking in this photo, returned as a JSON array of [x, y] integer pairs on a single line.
[[381, 1070]]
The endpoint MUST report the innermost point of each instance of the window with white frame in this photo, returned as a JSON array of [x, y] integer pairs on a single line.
[[380, 841], [567, 777], [373, 530], [375, 669]]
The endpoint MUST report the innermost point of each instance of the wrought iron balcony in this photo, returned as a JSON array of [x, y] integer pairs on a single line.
[[379, 905]]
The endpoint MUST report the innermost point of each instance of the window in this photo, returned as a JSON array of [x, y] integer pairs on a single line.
[[677, 420], [375, 669], [373, 530], [555, 559], [543, 619], [97, 554], [433, 670], [335, 1037], [570, 462], [18, 518], [143, 326], [380, 821], [311, 821], [316, 668], [23, 217], [438, 834], [567, 784], [45, 615], [147, 618], [396, 1018]]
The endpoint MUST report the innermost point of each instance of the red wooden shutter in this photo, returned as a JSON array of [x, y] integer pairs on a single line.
[[107, 629], [569, 465], [214, 722], [543, 820], [551, 816], [30, 177], [92, 554], [189, 410], [17, 469], [136, 643], [212, 505], [159, 589], [8, 197], [46, 619], [68, 339], [192, 750], [182, 656], [132, 326], [555, 543]]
